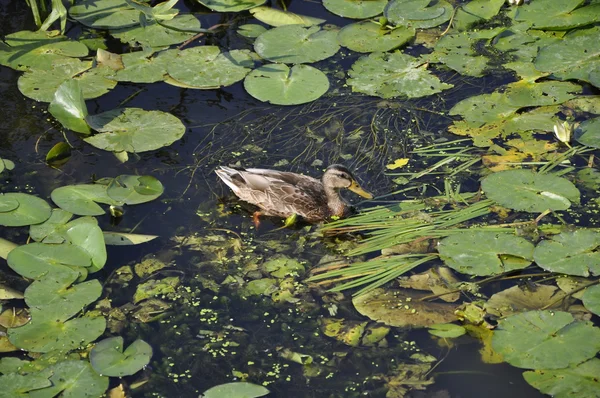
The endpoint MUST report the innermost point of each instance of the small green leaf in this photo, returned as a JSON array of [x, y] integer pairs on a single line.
[[446, 330], [20, 209], [68, 107], [238, 389], [108, 358]]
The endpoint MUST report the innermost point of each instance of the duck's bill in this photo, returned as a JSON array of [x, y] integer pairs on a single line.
[[354, 187]]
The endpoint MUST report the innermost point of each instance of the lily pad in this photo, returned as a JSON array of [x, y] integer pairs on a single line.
[[576, 56], [357, 9], [132, 189], [240, 389], [367, 36], [588, 133], [6, 164], [282, 85], [545, 340], [20, 209], [591, 299], [105, 14], [134, 130], [447, 330], [68, 107], [275, 17], [17, 385], [108, 358], [50, 231], [46, 335], [155, 35], [418, 14], [393, 75], [558, 14], [155, 288], [348, 332], [532, 296], [476, 11], [282, 266], [231, 5], [485, 253], [525, 190], [145, 67], [89, 237], [207, 67], [580, 380], [295, 44], [81, 199], [572, 253], [73, 379], [251, 30], [37, 259]]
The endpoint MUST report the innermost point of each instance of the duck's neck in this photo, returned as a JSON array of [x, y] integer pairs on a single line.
[[337, 205]]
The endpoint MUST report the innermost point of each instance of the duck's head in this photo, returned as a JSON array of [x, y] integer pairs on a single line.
[[337, 177]]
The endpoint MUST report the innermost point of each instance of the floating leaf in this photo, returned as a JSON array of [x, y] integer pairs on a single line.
[[571, 253], [238, 389], [37, 259], [206, 67], [132, 189], [591, 299], [588, 133], [145, 67], [51, 230], [123, 239], [89, 237], [282, 85], [294, 44], [8, 293], [231, 5], [476, 11], [580, 380], [398, 163], [388, 75], [179, 29], [532, 296], [347, 331], [525, 190], [20, 209], [134, 130], [275, 17], [485, 253], [447, 330], [155, 288], [558, 14], [6, 164], [105, 14], [418, 14], [357, 9], [81, 199], [545, 340], [68, 107], [251, 30], [108, 358], [59, 154], [367, 36], [17, 385], [73, 379]]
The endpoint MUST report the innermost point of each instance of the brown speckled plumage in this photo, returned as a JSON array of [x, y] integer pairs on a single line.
[[283, 194]]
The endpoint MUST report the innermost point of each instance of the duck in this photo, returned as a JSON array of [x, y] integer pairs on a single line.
[[288, 195]]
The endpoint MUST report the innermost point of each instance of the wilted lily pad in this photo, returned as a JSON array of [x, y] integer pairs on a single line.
[[295, 44], [392, 75], [235, 390], [528, 297], [207, 67], [282, 85], [526, 190], [572, 253], [20, 209], [108, 358], [545, 340], [134, 130], [347, 331], [73, 379], [358, 9], [368, 36], [580, 380], [485, 253], [230, 5], [419, 14]]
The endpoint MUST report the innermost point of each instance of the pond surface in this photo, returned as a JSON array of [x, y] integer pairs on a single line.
[[211, 335]]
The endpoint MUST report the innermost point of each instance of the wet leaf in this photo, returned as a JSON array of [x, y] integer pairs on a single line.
[[133, 189], [485, 253], [398, 163], [576, 381], [545, 340], [20, 209], [388, 75], [591, 299], [420, 14], [105, 14], [367, 36], [588, 133], [68, 107], [81, 199], [282, 85], [400, 308], [251, 30], [476, 11], [122, 239], [275, 17], [358, 9], [59, 154], [235, 390], [295, 44], [155, 35], [108, 358], [447, 330], [6, 164], [37, 259], [532, 296], [525, 190], [558, 14], [145, 66], [346, 331], [73, 379], [571, 253], [51, 230]]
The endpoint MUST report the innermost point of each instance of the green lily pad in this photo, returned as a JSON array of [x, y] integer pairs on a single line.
[[46, 335], [447, 330], [26, 50], [580, 380], [155, 288], [108, 358], [357, 9], [295, 44], [282, 85], [240, 389], [132, 189], [532, 296], [231, 5], [388, 75], [588, 133], [275, 17], [282, 266], [418, 14], [54, 297], [105, 14], [367, 36], [11, 365], [59, 154], [134, 130], [206, 67], [68, 107], [155, 35], [17, 385], [576, 56], [81, 199], [545, 340], [591, 299], [251, 30], [476, 11], [73, 379], [145, 67], [572, 253], [20, 209], [558, 14], [525, 190], [50, 231], [89, 237], [37, 259], [485, 253], [6, 164]]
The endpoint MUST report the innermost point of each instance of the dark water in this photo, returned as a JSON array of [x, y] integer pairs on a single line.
[[227, 126]]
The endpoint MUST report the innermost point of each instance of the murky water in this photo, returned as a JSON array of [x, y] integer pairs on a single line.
[[212, 336]]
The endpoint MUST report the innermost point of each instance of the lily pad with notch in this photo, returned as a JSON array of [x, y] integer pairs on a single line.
[[159, 35], [133, 189], [82, 199], [485, 253], [356, 9], [73, 379], [526, 190], [145, 66], [295, 44], [418, 14], [579, 380], [108, 358], [68, 107], [571, 253], [20, 209], [368, 36], [105, 14]]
